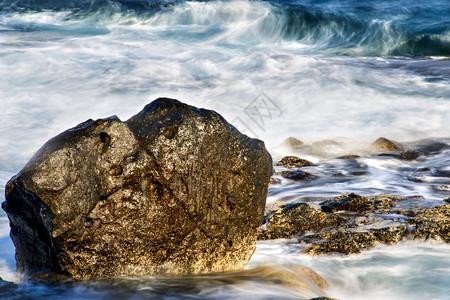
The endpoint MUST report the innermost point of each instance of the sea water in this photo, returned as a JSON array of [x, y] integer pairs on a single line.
[[344, 70]]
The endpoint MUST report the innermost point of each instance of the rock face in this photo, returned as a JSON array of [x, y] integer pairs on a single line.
[[173, 190]]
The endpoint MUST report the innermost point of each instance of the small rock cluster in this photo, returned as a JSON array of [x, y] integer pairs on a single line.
[[351, 223]]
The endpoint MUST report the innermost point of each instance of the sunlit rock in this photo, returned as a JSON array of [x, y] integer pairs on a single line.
[[293, 162], [384, 144], [173, 190]]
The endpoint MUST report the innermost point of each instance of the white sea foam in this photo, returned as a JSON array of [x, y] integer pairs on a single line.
[[410, 270]]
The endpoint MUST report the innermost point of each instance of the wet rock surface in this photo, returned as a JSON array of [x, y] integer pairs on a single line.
[[293, 162], [285, 221], [274, 180], [384, 144], [173, 190], [351, 223], [351, 202], [432, 223], [297, 175]]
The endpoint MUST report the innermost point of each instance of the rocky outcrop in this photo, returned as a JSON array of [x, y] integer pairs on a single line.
[[173, 190], [293, 219], [293, 162], [384, 144], [433, 223], [351, 223], [350, 202], [357, 203], [408, 151]]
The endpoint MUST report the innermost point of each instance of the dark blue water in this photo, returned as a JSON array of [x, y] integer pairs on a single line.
[[370, 27]]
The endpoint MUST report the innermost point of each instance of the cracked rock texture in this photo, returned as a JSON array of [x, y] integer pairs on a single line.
[[173, 190]]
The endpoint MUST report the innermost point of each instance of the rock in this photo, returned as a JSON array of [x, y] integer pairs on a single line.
[[433, 223], [405, 155], [297, 175], [356, 233], [384, 144], [274, 180], [293, 162], [409, 155], [446, 199], [173, 190], [293, 219], [385, 201], [291, 142], [344, 242], [353, 223], [350, 202]]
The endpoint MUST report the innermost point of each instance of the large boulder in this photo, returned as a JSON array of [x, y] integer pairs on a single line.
[[173, 190]]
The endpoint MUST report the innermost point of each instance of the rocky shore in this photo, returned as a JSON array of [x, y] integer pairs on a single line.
[[176, 190], [351, 223]]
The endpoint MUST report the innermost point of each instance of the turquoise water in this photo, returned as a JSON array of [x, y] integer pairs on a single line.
[[345, 70]]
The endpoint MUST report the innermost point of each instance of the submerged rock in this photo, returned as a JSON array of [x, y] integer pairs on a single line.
[[297, 175], [173, 190], [293, 162], [384, 144], [409, 155], [430, 146]]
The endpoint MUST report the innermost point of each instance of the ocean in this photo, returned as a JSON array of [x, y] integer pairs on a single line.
[[346, 70]]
